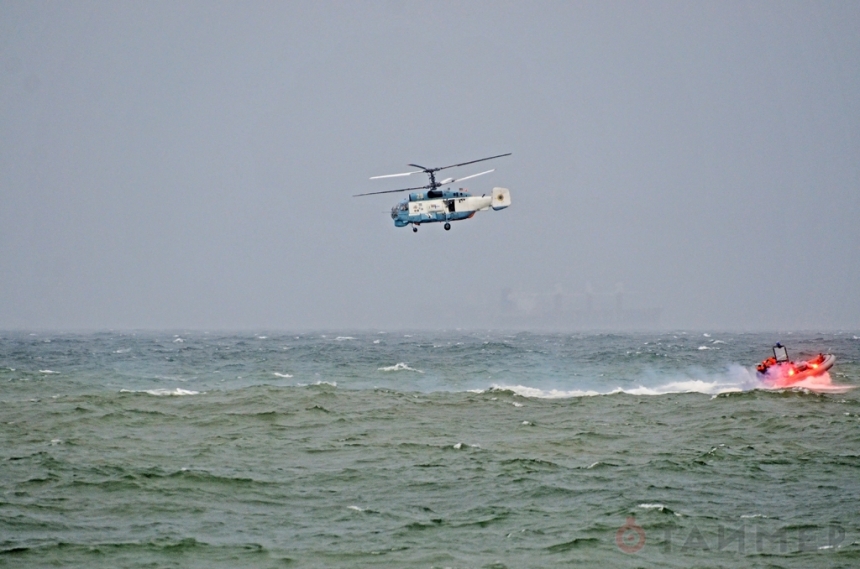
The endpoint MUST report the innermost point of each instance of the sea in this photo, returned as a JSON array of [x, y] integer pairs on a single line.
[[433, 449]]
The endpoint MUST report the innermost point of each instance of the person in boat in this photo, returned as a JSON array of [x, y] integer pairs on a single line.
[[780, 355], [762, 367]]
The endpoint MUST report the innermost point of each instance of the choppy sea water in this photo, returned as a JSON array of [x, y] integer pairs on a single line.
[[442, 449]]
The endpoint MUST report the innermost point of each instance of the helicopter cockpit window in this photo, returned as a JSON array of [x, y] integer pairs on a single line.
[[403, 207]]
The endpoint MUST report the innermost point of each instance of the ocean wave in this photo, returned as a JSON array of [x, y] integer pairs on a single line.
[[285, 375], [158, 546], [161, 392], [737, 379], [321, 382], [399, 367], [688, 386], [714, 387], [537, 393], [660, 507]]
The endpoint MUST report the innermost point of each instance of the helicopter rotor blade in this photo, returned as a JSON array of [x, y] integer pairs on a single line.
[[472, 176], [431, 171], [391, 191], [396, 175], [464, 163]]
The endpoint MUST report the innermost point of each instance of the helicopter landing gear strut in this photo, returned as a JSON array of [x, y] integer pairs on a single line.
[[447, 226], [414, 229]]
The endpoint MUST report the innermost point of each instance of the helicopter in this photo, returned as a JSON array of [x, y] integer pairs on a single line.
[[437, 205]]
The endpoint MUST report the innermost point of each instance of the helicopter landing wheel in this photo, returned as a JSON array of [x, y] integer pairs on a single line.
[[414, 229], [447, 226]]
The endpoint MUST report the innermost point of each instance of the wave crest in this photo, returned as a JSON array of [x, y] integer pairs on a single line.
[[399, 367], [691, 386], [162, 392]]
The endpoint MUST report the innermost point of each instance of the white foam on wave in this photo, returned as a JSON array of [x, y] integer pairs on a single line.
[[399, 367], [47, 371], [658, 507], [688, 386], [343, 338], [546, 393], [735, 380], [162, 392], [285, 375], [330, 383]]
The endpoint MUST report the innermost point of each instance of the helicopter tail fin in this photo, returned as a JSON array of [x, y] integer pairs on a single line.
[[501, 198]]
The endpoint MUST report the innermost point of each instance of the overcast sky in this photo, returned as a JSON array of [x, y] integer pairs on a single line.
[[191, 164]]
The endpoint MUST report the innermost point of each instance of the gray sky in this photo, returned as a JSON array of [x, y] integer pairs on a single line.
[[192, 164]]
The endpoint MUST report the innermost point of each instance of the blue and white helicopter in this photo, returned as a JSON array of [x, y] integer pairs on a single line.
[[438, 205]]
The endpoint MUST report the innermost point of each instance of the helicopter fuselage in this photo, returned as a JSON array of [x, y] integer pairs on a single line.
[[445, 206]]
